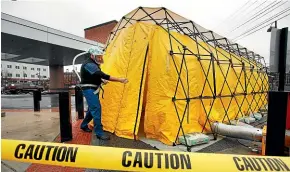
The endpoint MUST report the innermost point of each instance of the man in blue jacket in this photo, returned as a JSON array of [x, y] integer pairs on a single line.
[[91, 79]]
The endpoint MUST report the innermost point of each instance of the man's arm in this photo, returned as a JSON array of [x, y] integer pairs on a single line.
[[94, 69], [115, 79], [111, 78]]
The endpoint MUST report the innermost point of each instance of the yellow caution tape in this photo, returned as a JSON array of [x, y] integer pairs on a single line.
[[135, 160]]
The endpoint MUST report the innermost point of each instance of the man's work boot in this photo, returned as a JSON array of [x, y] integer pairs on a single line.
[[104, 137], [86, 129]]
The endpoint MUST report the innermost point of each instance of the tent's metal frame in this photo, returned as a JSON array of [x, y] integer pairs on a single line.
[[243, 55]]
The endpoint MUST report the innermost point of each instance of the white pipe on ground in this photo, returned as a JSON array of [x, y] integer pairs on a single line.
[[241, 132]]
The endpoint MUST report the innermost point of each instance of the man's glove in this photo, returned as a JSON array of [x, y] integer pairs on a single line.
[[105, 81]]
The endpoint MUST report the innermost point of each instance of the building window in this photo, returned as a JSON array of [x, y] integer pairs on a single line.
[[38, 69], [17, 67], [44, 76], [9, 74], [32, 76], [44, 70], [9, 66], [25, 75], [17, 75], [32, 68], [24, 67]]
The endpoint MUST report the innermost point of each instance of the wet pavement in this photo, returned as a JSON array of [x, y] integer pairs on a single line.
[[25, 101], [34, 126], [233, 146], [40, 126], [119, 142]]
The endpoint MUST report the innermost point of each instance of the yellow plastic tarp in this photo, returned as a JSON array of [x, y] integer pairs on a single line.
[[141, 53]]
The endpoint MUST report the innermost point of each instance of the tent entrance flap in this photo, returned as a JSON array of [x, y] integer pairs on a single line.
[[126, 57], [141, 89]]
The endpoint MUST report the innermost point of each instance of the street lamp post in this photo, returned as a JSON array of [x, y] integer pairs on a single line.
[[270, 28], [23, 76], [38, 74], [39, 78]]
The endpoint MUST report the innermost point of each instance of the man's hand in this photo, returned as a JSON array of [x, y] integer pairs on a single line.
[[124, 80]]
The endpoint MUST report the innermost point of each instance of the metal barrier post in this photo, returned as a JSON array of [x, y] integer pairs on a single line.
[[65, 116], [276, 123], [79, 102], [36, 100]]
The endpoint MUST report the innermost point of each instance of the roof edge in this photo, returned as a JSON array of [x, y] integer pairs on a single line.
[[102, 24]]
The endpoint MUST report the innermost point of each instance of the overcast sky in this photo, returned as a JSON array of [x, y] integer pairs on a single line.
[[221, 16]]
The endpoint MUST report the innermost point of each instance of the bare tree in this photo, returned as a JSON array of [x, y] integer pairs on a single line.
[[4, 77]]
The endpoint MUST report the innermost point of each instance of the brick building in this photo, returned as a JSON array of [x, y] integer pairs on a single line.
[[100, 32], [70, 79]]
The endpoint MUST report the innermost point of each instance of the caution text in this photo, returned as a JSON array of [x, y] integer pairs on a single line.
[[46, 152], [159, 160], [260, 164]]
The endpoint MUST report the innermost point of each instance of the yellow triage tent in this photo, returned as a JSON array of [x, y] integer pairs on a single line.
[[179, 73]]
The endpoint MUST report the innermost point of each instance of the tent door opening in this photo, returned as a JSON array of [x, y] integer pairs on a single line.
[[140, 115]]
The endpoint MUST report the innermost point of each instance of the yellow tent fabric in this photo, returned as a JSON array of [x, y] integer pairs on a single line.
[[141, 52]]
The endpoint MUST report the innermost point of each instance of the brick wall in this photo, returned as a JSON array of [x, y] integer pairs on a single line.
[[100, 33]]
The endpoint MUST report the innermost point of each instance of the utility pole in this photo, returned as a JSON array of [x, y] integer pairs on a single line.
[[23, 77], [38, 74], [270, 28]]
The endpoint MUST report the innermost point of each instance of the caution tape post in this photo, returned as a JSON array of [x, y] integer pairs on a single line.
[[110, 158]]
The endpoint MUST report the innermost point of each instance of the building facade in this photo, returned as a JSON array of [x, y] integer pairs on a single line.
[[14, 72]]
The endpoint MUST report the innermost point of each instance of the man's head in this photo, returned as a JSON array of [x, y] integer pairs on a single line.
[[96, 53], [97, 58]]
